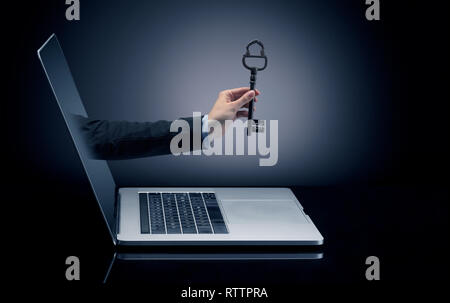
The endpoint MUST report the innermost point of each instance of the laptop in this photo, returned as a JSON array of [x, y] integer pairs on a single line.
[[160, 216]]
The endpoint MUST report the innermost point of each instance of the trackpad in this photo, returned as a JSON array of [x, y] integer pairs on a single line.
[[276, 213]]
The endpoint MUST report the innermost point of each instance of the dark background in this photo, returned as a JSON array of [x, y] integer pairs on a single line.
[[367, 101]]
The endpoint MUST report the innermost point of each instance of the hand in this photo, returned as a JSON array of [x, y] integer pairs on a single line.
[[230, 104]]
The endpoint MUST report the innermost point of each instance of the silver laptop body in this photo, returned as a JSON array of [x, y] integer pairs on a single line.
[[179, 216]]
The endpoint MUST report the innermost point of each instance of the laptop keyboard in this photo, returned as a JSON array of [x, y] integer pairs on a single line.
[[180, 213]]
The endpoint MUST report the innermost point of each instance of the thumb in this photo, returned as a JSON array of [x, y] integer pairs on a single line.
[[246, 98]]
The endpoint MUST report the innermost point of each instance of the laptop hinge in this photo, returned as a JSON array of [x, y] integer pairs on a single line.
[[116, 216]]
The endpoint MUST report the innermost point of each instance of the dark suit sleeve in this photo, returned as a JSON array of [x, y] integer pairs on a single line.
[[116, 140]]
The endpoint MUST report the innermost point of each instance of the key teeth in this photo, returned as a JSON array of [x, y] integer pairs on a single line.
[[255, 126]]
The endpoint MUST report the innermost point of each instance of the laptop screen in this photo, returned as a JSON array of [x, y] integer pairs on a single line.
[[69, 101]]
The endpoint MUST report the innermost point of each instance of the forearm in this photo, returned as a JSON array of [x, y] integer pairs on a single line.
[[115, 140]]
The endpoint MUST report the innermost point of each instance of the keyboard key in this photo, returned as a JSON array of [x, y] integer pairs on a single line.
[[174, 231], [220, 228], [204, 229], [190, 230]]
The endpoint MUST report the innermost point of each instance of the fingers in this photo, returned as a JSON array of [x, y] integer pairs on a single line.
[[244, 99], [236, 93], [242, 114], [237, 96], [248, 104]]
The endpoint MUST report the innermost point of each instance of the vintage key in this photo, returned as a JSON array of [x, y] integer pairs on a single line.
[[253, 125]]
